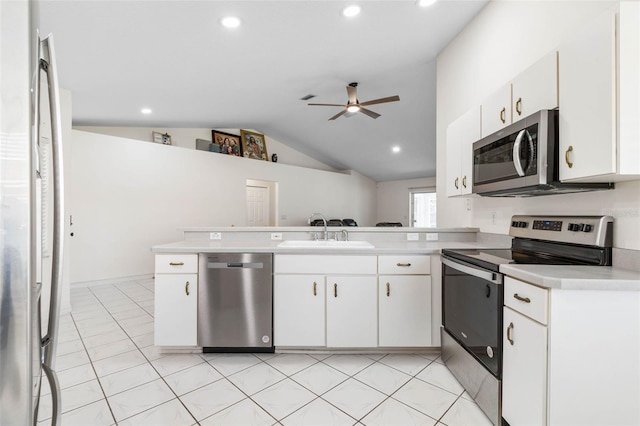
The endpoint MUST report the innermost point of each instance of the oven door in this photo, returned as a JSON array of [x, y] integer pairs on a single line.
[[472, 301]]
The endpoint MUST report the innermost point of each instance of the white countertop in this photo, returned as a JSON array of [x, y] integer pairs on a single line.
[[212, 246], [575, 277]]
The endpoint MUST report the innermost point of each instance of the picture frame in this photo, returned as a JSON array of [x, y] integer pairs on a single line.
[[161, 138], [254, 145], [229, 144]]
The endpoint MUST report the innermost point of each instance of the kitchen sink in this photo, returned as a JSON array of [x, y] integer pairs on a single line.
[[329, 244]]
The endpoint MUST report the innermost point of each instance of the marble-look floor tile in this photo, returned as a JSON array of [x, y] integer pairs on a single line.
[[72, 398], [426, 398], [127, 379], [318, 413], [97, 353], [383, 378], [104, 339], [212, 398], [119, 362], [256, 378], [171, 413], [439, 375], [192, 378], [139, 399], [354, 398], [290, 364], [283, 398], [94, 414], [245, 412], [410, 364], [75, 376], [463, 413], [348, 364], [69, 347], [74, 359], [319, 378], [171, 363], [394, 413], [228, 364], [143, 340]]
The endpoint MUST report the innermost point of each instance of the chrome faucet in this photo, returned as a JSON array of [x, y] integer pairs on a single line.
[[324, 221], [345, 235]]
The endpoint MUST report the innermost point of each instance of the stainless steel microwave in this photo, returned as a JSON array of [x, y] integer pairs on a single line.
[[521, 160]]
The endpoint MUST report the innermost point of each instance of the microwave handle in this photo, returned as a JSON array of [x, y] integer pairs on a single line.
[[516, 153], [494, 277]]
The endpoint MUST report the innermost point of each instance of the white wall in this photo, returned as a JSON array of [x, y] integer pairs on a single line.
[[127, 195], [393, 199], [186, 138], [504, 39]]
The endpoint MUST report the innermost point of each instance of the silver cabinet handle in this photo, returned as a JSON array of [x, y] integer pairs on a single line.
[[335, 290], [388, 289], [186, 288], [176, 263], [509, 331], [315, 288], [522, 299]]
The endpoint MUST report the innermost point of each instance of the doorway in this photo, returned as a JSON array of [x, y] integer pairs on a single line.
[[423, 207], [261, 203]]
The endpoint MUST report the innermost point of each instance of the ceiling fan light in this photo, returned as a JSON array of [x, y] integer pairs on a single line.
[[351, 11], [353, 108]]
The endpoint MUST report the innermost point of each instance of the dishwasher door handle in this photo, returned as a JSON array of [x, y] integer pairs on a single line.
[[235, 265]]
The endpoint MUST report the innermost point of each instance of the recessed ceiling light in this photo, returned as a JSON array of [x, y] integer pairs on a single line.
[[230, 22], [146, 110], [425, 3], [351, 11], [395, 149]]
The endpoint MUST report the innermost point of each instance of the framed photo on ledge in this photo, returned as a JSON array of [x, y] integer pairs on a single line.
[[162, 138], [254, 145], [229, 144]]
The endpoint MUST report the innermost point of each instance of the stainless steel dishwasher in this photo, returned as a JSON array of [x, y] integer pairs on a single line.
[[235, 302]]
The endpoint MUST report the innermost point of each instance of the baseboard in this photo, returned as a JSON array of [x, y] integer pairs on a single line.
[[84, 284]]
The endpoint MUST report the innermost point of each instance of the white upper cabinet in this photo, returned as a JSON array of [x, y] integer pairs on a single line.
[[534, 89], [461, 134], [599, 98]]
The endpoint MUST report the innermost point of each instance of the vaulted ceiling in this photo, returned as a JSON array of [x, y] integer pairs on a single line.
[[175, 58]]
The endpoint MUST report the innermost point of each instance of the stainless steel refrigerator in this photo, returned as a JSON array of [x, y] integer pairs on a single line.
[[31, 215]]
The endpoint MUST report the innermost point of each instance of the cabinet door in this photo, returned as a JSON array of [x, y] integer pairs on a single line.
[[587, 86], [404, 314], [176, 309], [352, 312], [298, 310], [536, 88], [524, 370], [496, 111], [461, 134]]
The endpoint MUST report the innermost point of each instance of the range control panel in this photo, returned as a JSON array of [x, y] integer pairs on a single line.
[[589, 230]]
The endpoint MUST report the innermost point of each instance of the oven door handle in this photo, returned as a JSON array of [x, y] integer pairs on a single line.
[[493, 277]]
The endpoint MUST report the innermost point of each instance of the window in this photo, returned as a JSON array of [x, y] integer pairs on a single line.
[[423, 207]]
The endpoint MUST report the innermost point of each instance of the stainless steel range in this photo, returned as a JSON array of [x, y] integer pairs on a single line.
[[472, 293]]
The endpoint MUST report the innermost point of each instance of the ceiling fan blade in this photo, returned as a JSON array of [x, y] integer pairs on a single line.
[[369, 112], [352, 92], [340, 105], [381, 100], [338, 115]]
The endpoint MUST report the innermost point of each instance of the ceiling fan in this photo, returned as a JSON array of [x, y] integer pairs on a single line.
[[354, 105]]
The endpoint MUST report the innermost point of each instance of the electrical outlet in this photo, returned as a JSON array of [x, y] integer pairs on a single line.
[[276, 235], [413, 237], [432, 237], [215, 235], [468, 204], [494, 217]]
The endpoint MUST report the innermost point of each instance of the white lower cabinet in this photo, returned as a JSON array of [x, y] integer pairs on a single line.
[[176, 310], [352, 312], [404, 317], [298, 310], [524, 370]]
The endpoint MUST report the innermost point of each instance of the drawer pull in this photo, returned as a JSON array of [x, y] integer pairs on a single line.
[[567, 154], [503, 113], [403, 265], [464, 182], [388, 289], [522, 299], [186, 288], [456, 183], [519, 106], [176, 263], [335, 290], [509, 330], [315, 288]]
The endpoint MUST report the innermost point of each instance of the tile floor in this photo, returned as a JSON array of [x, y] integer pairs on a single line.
[[110, 373]]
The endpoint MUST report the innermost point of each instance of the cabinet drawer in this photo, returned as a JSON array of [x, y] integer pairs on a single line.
[[527, 299], [176, 263], [409, 265], [324, 264]]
